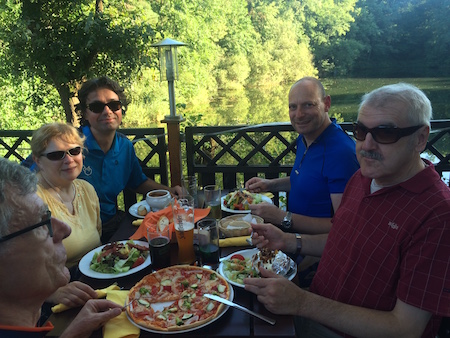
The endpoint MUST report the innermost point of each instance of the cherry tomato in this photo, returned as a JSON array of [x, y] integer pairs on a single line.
[[138, 262], [237, 256]]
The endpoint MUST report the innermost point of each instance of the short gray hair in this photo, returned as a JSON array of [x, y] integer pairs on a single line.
[[15, 181], [417, 103]]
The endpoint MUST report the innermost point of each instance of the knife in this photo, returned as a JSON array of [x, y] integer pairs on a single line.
[[227, 302]]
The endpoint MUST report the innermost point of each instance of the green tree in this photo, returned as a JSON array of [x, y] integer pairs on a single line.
[[282, 53], [437, 41], [401, 38], [325, 23], [64, 42]]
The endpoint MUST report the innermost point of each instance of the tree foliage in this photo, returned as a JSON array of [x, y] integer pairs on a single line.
[[50, 47], [403, 38], [64, 42]]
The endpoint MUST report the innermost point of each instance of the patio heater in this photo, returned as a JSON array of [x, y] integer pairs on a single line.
[[168, 68]]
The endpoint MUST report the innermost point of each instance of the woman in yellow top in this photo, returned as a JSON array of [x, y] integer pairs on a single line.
[[57, 151]]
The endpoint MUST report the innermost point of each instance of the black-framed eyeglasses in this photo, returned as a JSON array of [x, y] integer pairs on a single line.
[[61, 154], [47, 221], [382, 134], [97, 107]]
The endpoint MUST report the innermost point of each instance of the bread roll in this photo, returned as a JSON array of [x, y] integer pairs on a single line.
[[142, 210]]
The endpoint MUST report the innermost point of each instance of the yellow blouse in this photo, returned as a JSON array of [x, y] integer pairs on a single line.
[[85, 222]]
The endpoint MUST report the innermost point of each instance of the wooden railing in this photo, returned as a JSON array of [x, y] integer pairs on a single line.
[[149, 143], [228, 155], [231, 155]]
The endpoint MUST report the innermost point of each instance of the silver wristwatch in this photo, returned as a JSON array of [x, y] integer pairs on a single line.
[[286, 223]]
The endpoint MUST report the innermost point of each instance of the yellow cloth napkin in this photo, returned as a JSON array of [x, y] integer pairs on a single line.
[[120, 326], [100, 294], [234, 241]]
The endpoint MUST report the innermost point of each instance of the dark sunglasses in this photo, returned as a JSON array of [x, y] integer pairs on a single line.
[[97, 107], [47, 221], [382, 134], [61, 154]]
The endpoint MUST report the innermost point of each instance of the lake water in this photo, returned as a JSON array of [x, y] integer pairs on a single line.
[[266, 105]]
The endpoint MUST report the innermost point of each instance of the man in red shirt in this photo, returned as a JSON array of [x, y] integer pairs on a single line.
[[385, 268]]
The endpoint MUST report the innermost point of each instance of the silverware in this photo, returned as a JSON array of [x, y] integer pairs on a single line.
[[227, 302], [249, 240], [127, 305]]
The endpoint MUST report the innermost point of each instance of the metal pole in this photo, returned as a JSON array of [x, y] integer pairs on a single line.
[[173, 107]]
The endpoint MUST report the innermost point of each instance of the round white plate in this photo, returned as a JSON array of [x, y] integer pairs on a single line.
[[85, 263], [225, 308], [133, 210], [248, 253], [224, 208]]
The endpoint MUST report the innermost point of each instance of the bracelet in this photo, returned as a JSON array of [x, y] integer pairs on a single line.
[[298, 239]]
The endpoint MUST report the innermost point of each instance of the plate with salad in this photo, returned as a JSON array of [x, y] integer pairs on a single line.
[[243, 264], [238, 201], [238, 266], [116, 259]]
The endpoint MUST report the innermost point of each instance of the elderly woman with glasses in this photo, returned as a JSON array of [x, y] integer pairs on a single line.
[[57, 151], [32, 261]]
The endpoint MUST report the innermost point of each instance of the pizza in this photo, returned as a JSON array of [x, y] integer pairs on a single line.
[[171, 299]]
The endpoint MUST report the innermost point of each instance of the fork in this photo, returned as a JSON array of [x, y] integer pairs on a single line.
[[127, 305]]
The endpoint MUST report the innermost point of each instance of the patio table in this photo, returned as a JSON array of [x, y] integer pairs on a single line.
[[233, 323]]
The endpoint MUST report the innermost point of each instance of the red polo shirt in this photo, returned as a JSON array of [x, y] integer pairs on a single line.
[[394, 243]]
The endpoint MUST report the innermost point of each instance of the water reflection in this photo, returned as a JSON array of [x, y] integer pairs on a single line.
[[265, 105]]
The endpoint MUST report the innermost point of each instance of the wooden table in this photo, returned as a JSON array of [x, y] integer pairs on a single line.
[[234, 323]]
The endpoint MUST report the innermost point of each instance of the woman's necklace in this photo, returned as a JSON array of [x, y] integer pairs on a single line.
[[57, 194]]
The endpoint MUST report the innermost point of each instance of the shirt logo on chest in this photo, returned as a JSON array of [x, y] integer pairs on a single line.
[[393, 225], [87, 170]]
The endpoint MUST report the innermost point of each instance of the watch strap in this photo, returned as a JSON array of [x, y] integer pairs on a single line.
[[298, 239]]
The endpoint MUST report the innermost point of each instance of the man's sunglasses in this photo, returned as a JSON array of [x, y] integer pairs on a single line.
[[382, 134], [61, 154], [97, 107], [47, 221]]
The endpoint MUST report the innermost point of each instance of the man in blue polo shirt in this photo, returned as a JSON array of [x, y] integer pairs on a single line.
[[324, 163], [110, 164]]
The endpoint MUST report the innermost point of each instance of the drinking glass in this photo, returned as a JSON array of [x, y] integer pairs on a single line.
[[183, 218], [190, 187], [158, 242], [208, 238], [212, 195]]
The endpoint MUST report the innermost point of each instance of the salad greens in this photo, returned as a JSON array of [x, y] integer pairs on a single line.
[[118, 257], [241, 199], [237, 269]]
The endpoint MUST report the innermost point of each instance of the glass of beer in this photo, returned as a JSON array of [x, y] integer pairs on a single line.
[[183, 219], [212, 195], [208, 239], [158, 242]]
